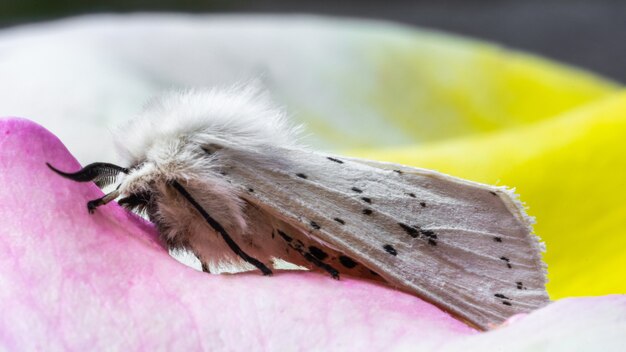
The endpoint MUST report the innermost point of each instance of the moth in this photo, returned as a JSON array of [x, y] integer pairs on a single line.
[[221, 173]]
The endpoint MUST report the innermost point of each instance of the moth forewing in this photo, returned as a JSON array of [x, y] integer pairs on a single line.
[[464, 246]]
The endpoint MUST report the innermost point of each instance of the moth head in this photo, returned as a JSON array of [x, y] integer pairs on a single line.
[[106, 174]]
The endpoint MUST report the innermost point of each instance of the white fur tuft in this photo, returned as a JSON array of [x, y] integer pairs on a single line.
[[241, 117]]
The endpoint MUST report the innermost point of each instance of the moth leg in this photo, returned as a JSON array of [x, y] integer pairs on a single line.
[[220, 229], [93, 204], [205, 266]]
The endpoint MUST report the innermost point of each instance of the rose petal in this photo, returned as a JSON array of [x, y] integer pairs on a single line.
[[76, 281]]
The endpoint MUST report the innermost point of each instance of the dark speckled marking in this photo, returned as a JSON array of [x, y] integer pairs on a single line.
[[411, 231], [506, 303], [318, 253], [367, 211], [389, 248], [497, 239], [428, 233], [423, 205], [302, 175], [251, 190], [499, 295], [340, 221], [347, 262], [493, 193], [335, 160], [412, 195], [432, 242], [315, 225], [507, 260], [520, 285], [399, 172], [357, 190], [367, 200]]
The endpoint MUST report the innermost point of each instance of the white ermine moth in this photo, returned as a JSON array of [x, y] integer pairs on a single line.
[[221, 174]]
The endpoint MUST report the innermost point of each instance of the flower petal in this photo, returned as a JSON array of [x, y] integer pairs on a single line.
[[569, 170]]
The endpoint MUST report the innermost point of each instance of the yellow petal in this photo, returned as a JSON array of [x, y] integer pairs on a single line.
[[570, 170]]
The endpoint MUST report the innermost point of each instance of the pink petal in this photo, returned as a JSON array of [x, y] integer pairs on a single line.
[[70, 280]]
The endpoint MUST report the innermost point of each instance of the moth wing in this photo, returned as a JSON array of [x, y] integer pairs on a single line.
[[464, 246]]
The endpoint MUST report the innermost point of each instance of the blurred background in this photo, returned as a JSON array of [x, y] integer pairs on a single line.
[[491, 91], [586, 33]]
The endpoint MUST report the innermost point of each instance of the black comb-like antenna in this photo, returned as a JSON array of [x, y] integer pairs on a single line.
[[102, 174]]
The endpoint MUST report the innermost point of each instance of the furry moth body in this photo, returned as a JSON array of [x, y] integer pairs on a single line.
[[220, 173]]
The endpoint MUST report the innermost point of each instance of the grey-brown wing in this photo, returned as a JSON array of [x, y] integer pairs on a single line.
[[463, 246]]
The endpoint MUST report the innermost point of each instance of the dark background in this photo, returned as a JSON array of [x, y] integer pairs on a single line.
[[590, 34]]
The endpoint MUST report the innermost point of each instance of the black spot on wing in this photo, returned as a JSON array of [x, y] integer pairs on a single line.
[[410, 230], [335, 160], [497, 239], [389, 249], [301, 175], [399, 172], [367, 211], [366, 200], [347, 262], [493, 193], [339, 221], [412, 195], [318, 253], [423, 205], [507, 261], [315, 225], [504, 299], [416, 231], [251, 190], [357, 190], [428, 233]]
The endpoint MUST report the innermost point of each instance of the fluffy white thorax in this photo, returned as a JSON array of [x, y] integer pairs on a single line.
[[239, 117]]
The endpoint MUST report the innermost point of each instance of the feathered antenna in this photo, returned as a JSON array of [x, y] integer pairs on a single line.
[[103, 174]]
